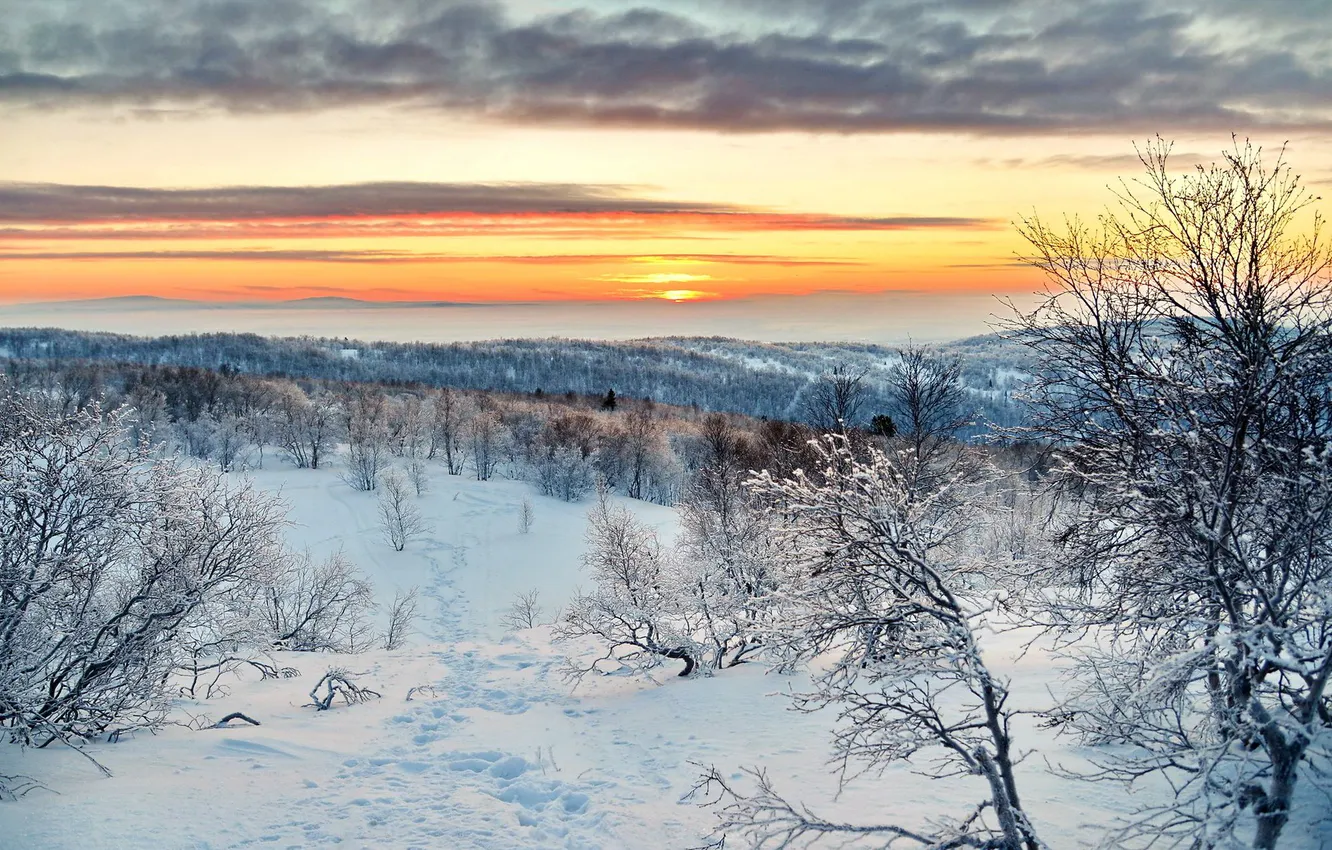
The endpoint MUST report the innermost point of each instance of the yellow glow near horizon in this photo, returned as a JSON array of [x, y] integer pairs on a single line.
[[784, 186], [678, 295], [658, 278]]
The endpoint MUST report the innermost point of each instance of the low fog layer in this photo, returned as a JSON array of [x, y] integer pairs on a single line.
[[885, 318]]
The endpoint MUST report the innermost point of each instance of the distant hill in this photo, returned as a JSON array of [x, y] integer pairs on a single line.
[[713, 373]]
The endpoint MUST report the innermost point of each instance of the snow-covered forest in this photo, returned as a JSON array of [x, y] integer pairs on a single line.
[[396, 596], [767, 380]]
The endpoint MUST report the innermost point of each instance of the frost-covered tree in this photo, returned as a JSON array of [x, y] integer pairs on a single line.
[[565, 473], [402, 614], [367, 438], [872, 581], [449, 416], [400, 520], [637, 610], [485, 438], [197, 437], [258, 426], [318, 606], [406, 426], [230, 443], [106, 554], [307, 426], [725, 547], [1185, 354]]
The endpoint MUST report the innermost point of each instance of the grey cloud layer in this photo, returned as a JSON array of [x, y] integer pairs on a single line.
[[69, 205], [738, 65], [55, 202], [390, 257]]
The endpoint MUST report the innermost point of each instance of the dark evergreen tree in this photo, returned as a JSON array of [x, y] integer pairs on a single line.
[[883, 425]]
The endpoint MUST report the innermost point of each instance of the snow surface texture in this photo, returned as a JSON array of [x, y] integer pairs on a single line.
[[497, 752]]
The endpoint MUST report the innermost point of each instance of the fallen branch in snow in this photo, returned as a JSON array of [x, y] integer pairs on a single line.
[[235, 715], [426, 690], [339, 683], [14, 787]]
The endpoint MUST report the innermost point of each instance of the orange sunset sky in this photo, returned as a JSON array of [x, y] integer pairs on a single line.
[[539, 151]]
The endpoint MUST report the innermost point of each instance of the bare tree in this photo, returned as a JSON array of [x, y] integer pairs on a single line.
[[485, 434], [872, 578], [525, 516], [402, 613], [723, 462], [307, 426], [318, 607], [367, 439], [835, 400], [1186, 346], [931, 404], [523, 613], [450, 417], [642, 440], [400, 520], [637, 610]]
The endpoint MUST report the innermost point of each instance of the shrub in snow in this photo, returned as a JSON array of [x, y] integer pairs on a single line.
[[107, 555], [400, 520], [402, 613], [565, 473], [523, 613], [318, 606]]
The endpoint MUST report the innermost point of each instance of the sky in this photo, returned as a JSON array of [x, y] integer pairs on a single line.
[[848, 152]]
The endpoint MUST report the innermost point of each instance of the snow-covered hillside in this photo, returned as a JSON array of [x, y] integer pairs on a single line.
[[493, 750]]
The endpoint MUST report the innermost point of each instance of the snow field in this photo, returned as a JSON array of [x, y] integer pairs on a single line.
[[496, 751]]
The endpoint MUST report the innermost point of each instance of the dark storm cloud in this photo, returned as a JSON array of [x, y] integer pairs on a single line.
[[738, 65], [345, 205]]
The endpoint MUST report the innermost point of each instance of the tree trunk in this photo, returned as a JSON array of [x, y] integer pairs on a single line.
[[1003, 807]]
